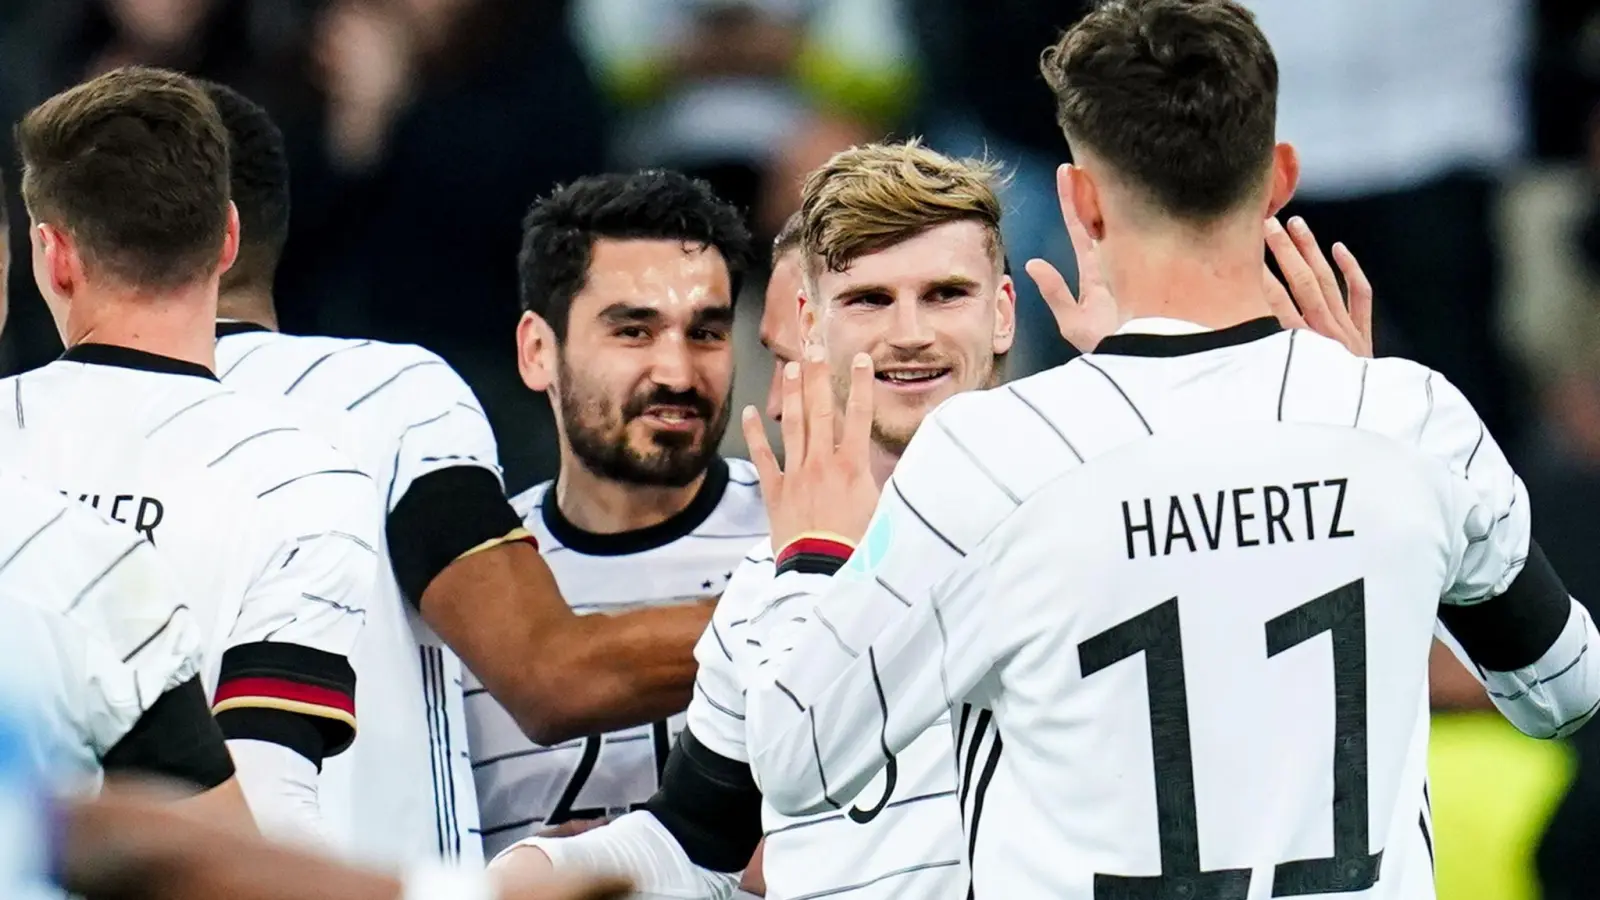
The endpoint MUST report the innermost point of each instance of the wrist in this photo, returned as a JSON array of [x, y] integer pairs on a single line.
[[814, 552]]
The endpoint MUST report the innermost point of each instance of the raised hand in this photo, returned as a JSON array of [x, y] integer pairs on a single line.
[[1086, 319], [1322, 307], [825, 485]]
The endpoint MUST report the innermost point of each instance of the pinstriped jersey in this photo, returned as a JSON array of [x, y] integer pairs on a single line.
[[269, 530], [899, 838], [403, 413], [524, 787], [101, 625], [1179, 595]]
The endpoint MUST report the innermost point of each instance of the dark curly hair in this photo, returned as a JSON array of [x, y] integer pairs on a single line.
[[559, 232], [258, 179]]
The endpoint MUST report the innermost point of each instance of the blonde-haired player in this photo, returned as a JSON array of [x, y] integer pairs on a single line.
[[896, 254]]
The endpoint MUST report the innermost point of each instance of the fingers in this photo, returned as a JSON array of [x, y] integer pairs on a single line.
[[793, 426], [855, 441], [1360, 293], [1302, 281], [761, 455], [1278, 300], [1057, 295], [1306, 242], [821, 434]]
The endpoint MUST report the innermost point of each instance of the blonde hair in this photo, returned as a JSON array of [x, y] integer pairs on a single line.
[[874, 196]]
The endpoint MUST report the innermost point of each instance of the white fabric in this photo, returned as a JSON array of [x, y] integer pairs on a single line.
[[280, 786], [640, 848], [1127, 563], [432, 880], [520, 783], [404, 789]]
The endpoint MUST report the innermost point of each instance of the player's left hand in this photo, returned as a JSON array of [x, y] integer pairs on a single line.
[[825, 484], [1091, 316], [1318, 303]]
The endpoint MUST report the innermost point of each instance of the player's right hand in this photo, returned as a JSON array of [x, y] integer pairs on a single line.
[[1318, 303]]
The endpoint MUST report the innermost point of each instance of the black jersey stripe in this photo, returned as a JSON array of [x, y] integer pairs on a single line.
[[1283, 386], [924, 519], [142, 645], [1045, 419], [976, 462], [391, 380], [1126, 399], [32, 537], [260, 434], [104, 573]]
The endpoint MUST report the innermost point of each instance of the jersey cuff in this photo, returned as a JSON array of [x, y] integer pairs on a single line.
[[313, 684], [710, 804], [176, 738], [814, 553], [445, 515]]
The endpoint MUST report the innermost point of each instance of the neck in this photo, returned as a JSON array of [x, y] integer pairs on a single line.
[[605, 506], [251, 305], [178, 323], [883, 463], [1214, 280]]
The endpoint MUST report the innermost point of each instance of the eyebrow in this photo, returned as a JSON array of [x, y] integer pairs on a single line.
[[633, 314], [960, 282]]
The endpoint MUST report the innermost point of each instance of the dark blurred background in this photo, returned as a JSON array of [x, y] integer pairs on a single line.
[[1454, 145]]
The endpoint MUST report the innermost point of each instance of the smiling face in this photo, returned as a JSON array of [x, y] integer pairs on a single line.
[[934, 312], [641, 381]]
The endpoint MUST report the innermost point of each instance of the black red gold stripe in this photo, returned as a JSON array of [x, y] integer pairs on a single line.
[[816, 553]]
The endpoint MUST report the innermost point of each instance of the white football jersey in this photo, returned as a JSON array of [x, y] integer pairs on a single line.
[[403, 413], [98, 620], [269, 530], [524, 787], [899, 838], [1180, 595]]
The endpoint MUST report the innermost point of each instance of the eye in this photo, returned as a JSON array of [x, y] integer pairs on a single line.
[[632, 332], [708, 335], [873, 301], [951, 292]]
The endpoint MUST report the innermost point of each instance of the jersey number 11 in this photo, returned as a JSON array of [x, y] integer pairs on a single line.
[[1157, 635]]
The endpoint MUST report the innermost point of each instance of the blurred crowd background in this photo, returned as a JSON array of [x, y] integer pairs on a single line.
[[1454, 145]]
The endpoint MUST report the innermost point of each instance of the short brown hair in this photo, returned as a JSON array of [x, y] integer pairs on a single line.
[[788, 237], [134, 165], [1180, 97], [874, 196]]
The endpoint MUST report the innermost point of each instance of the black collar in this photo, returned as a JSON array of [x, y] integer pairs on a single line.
[[129, 358], [225, 329], [639, 540], [1143, 344]]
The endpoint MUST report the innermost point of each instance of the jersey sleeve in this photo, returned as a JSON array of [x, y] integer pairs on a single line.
[[725, 651], [123, 649], [1505, 613], [447, 497], [894, 638], [285, 672], [1492, 513]]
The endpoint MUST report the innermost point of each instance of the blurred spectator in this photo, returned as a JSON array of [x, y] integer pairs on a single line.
[[1407, 113], [983, 95], [749, 94], [441, 121], [246, 43]]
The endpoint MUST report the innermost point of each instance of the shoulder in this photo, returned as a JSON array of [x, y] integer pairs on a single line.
[[742, 511], [527, 502]]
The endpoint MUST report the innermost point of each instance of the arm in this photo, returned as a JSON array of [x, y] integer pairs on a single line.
[[705, 820], [120, 847], [285, 697], [1506, 614], [697, 832], [461, 555], [126, 656], [896, 637]]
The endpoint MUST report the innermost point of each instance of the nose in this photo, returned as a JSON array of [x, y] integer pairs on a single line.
[[671, 365], [909, 327]]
